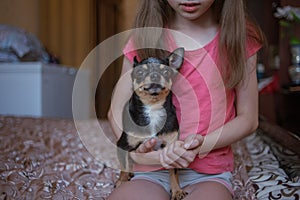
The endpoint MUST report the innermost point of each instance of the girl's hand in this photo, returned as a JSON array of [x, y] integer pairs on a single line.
[[181, 153], [176, 156], [193, 141], [147, 146]]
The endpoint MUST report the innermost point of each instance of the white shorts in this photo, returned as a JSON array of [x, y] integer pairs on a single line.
[[186, 177]]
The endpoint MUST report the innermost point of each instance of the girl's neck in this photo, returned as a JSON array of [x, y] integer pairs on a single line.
[[202, 29]]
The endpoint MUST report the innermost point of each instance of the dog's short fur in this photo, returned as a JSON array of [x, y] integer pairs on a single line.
[[150, 113]]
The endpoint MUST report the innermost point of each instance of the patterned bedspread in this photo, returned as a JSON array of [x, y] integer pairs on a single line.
[[48, 159], [275, 170]]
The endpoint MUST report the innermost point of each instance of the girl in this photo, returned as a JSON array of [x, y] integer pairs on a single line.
[[215, 97]]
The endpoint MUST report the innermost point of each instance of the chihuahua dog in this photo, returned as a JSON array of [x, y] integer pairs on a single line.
[[150, 113]]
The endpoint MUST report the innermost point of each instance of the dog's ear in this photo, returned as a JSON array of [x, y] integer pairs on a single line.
[[135, 61], [175, 59]]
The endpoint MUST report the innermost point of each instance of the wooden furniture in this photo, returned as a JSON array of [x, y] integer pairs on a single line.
[[283, 106], [288, 110]]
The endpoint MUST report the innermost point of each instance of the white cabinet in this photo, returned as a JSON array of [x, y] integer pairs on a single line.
[[40, 90]]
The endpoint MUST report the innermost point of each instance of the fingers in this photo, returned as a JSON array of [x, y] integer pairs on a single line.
[[175, 156], [170, 157], [146, 146], [193, 141]]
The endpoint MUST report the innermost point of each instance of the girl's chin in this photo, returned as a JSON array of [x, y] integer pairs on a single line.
[[190, 16]]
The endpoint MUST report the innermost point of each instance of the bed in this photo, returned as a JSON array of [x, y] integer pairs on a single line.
[[43, 158]]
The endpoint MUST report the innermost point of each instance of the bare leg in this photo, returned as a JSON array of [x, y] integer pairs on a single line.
[[208, 190], [139, 189]]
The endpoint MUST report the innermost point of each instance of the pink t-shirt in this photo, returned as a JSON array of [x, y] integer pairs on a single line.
[[202, 102]]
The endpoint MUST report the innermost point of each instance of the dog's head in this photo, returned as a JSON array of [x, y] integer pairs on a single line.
[[152, 77]]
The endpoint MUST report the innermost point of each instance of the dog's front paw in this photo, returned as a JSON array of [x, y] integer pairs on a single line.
[[124, 177], [118, 183], [178, 195]]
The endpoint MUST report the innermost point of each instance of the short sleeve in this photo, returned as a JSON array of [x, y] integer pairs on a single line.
[[252, 47], [253, 41], [129, 50]]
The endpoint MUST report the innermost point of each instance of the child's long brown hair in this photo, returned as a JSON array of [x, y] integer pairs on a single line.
[[235, 27]]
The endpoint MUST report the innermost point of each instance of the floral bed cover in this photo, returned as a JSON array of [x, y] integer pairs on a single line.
[[48, 159]]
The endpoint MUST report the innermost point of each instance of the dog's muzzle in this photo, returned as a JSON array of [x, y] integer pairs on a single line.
[[154, 89]]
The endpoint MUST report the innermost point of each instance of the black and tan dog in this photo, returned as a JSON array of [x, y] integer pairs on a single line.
[[150, 113]]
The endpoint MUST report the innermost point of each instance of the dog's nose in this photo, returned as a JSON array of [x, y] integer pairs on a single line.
[[155, 77]]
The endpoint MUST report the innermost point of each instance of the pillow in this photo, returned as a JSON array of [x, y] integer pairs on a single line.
[[18, 45]]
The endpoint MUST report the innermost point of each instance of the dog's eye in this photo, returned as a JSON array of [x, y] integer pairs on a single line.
[[140, 72], [166, 72]]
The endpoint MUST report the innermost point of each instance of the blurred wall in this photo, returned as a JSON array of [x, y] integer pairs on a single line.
[[21, 13], [69, 29], [128, 11]]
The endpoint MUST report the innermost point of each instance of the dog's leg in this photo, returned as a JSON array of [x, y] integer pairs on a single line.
[[176, 192], [125, 163]]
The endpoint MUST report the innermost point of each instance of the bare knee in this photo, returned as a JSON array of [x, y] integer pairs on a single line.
[[208, 190], [139, 189]]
